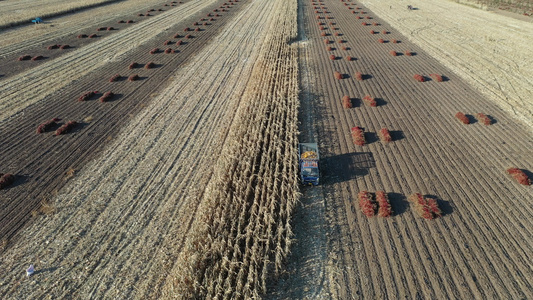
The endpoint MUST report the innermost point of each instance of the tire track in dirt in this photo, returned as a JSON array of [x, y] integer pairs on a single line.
[[129, 208], [424, 137]]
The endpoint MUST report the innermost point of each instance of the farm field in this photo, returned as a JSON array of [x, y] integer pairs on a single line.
[[179, 176]]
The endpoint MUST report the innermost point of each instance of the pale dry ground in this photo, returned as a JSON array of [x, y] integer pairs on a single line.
[[119, 224], [14, 11], [16, 39], [20, 91], [490, 51]]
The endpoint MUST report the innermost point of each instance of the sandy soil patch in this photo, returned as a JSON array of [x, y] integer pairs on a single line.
[[490, 51]]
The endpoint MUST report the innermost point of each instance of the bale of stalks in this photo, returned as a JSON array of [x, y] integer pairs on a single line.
[[370, 101], [92, 36], [375, 24], [106, 97], [519, 176], [110, 28], [338, 75], [427, 208], [197, 29], [408, 53], [177, 36], [37, 57], [63, 47], [66, 127], [436, 77], [395, 41], [51, 47], [346, 102], [86, 96], [332, 57], [101, 28], [188, 36], [345, 48], [365, 24], [167, 42], [326, 41], [359, 17], [133, 77], [329, 48], [133, 65], [82, 36], [462, 117], [349, 58], [381, 41], [359, 76], [385, 209], [419, 78], [130, 21], [393, 53], [121, 22], [336, 34], [169, 51], [482, 118], [114, 78], [43, 127], [178, 43], [358, 136], [154, 51], [323, 34], [373, 32], [385, 32], [6, 180], [366, 203], [149, 65], [384, 135]]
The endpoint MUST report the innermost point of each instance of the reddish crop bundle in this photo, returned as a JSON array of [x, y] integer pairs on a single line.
[[37, 57], [408, 53], [318, 17], [436, 77], [419, 78], [133, 65], [365, 24], [385, 209], [326, 41], [101, 28], [519, 176], [368, 17], [462, 117], [483, 119], [384, 135], [24, 57], [427, 208], [6, 180], [375, 24], [154, 51], [332, 57], [369, 101], [338, 75], [372, 32], [121, 21], [358, 136], [169, 51], [359, 17], [188, 36], [106, 97], [367, 205], [329, 48], [336, 34], [385, 32], [51, 47], [167, 42], [187, 29], [63, 47], [82, 36], [47, 125], [348, 58], [395, 41], [92, 36], [346, 102], [130, 21], [197, 29], [393, 53], [195, 24], [114, 78], [177, 36], [323, 34], [329, 17], [179, 43], [133, 77], [87, 95], [66, 127], [110, 28], [359, 76], [340, 41], [381, 41], [149, 65]]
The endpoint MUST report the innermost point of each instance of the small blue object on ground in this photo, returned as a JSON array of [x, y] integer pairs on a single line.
[[37, 20]]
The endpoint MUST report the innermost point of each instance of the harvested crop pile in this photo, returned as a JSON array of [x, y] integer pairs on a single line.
[[242, 234], [384, 209], [395, 41], [393, 53], [366, 203], [188, 36], [169, 51], [332, 57], [133, 65], [62, 47], [101, 28], [110, 28], [359, 76], [133, 77], [51, 47], [462, 117], [338, 75], [6, 180], [179, 43], [154, 51], [24, 57], [358, 136], [115, 77], [346, 102], [130, 21], [106, 97], [349, 58], [66, 127], [47, 125], [82, 36], [384, 135], [419, 77], [149, 65], [167, 42], [482, 118], [370, 101], [37, 57], [436, 77], [408, 53], [519, 176], [87, 96], [427, 208], [92, 36], [381, 41]]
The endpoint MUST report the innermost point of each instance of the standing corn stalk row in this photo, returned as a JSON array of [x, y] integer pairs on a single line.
[[242, 234]]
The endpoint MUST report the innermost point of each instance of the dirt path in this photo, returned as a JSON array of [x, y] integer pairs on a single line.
[[120, 222], [489, 51], [480, 248]]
